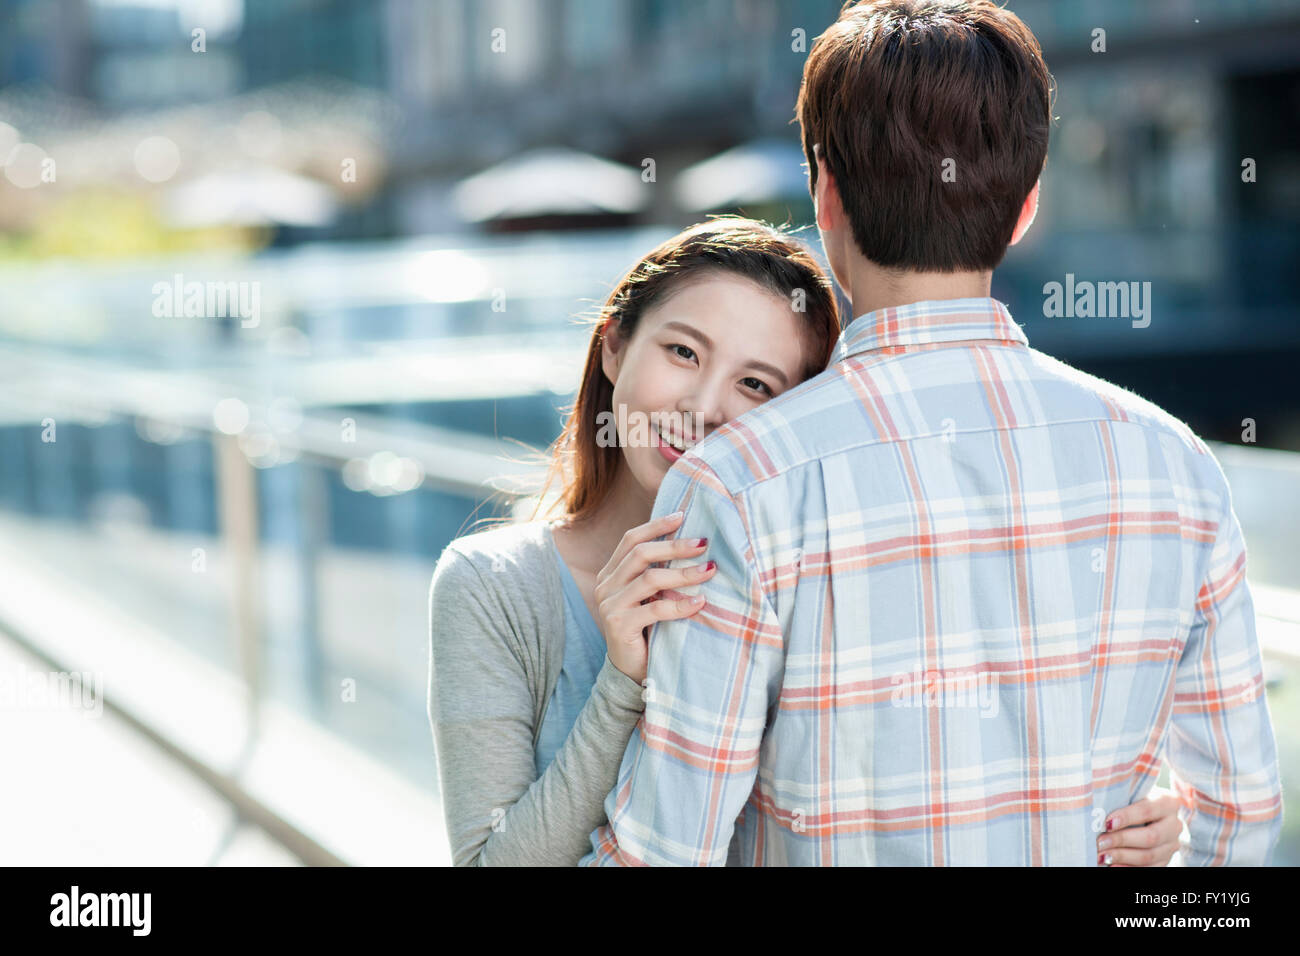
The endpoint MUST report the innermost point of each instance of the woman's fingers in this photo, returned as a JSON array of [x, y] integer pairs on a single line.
[[629, 592], [642, 556], [653, 581], [614, 576], [640, 534], [1157, 855], [1144, 811], [1145, 833], [668, 608]]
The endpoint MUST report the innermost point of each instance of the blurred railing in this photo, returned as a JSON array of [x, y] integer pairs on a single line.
[[251, 727]]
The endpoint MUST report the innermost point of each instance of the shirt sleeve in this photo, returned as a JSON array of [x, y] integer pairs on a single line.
[[711, 678], [1222, 754], [498, 812]]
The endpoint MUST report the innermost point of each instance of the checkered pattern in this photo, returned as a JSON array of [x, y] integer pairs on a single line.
[[968, 597]]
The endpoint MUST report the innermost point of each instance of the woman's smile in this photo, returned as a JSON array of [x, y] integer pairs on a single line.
[[670, 453]]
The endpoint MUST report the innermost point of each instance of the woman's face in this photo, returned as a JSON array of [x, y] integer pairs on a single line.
[[712, 350]]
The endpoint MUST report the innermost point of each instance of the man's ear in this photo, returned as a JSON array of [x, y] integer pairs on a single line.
[[1027, 213], [826, 196]]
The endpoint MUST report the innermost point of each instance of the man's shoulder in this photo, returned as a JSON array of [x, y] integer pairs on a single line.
[[1120, 404], [822, 417], [767, 440]]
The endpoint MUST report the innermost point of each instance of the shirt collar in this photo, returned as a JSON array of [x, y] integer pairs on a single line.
[[928, 322]]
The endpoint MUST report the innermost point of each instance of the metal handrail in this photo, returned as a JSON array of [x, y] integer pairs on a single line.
[[41, 386], [37, 386]]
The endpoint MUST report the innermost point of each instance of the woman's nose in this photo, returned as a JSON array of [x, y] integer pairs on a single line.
[[703, 415]]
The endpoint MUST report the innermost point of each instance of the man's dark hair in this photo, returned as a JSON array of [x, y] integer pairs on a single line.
[[896, 87]]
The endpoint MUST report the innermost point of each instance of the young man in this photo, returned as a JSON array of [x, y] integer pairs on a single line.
[[968, 597]]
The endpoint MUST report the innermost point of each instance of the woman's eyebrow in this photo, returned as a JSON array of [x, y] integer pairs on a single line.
[[761, 366]]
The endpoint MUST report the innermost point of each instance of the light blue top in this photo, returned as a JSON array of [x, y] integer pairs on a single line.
[[584, 654]]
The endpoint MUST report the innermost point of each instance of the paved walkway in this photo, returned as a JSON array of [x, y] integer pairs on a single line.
[[81, 788]]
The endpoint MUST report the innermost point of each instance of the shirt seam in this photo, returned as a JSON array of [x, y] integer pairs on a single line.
[[751, 564], [882, 347]]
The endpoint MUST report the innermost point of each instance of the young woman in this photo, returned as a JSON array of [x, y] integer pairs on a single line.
[[538, 629]]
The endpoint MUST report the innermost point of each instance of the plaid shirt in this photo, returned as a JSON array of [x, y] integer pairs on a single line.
[[967, 599]]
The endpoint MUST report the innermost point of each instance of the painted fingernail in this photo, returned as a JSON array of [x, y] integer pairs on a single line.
[[701, 542], [710, 566], [1104, 843], [1110, 824]]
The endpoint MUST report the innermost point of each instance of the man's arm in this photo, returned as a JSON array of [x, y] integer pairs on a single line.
[[690, 766], [1221, 749]]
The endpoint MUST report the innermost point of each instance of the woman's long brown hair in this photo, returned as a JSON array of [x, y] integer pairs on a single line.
[[753, 250]]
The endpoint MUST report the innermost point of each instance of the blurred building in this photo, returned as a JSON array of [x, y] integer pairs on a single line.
[[1162, 106]]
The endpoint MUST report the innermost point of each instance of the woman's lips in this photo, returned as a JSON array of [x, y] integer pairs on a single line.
[[668, 451]]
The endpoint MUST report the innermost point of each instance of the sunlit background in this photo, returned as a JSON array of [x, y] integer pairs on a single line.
[[289, 294]]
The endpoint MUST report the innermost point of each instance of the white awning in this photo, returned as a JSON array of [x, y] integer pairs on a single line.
[[764, 170], [550, 181]]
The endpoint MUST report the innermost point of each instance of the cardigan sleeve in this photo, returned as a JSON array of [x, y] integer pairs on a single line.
[[481, 708]]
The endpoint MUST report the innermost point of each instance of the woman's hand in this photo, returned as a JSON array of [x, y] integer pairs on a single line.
[[628, 590], [1145, 833]]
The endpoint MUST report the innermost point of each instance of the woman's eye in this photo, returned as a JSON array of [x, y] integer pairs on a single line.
[[758, 383]]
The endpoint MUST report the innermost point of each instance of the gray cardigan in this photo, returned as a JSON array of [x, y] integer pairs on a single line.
[[496, 644]]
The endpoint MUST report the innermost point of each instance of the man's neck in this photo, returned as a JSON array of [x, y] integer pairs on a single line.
[[870, 287]]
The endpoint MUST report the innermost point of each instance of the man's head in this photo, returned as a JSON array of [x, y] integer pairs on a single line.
[[925, 124]]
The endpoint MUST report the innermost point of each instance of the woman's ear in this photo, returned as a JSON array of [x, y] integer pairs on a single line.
[[611, 350]]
